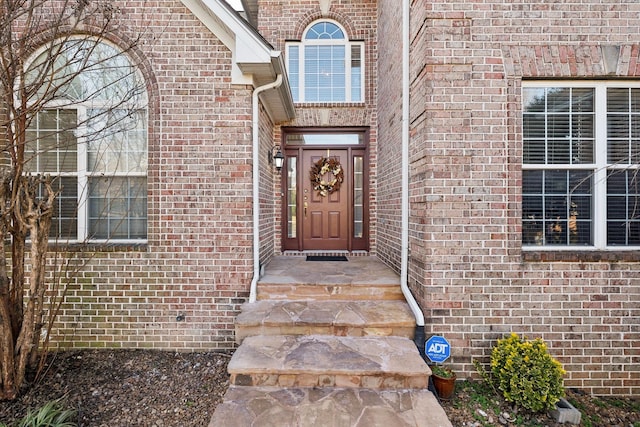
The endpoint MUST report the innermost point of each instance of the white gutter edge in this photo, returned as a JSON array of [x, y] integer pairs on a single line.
[[256, 183], [415, 308]]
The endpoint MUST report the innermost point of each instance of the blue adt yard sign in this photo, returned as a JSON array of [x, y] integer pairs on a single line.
[[437, 349]]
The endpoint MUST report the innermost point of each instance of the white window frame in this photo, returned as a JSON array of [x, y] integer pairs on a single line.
[[600, 167], [348, 45], [83, 175]]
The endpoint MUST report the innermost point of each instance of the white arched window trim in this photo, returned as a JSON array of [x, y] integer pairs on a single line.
[[326, 69]]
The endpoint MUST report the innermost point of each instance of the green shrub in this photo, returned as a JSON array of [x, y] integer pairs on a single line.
[[526, 374]]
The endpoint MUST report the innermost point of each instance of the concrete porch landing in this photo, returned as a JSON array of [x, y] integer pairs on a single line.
[[360, 278], [359, 270], [328, 343]]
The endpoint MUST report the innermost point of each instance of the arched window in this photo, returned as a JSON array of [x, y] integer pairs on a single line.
[[325, 66], [88, 128]]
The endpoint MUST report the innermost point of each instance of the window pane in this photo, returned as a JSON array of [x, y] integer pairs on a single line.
[[117, 208], [324, 139], [51, 142], [292, 197], [117, 141], [324, 30], [558, 151], [623, 207], [534, 99], [582, 100], [558, 100], [358, 197], [557, 208], [294, 71], [64, 224], [86, 69], [558, 126], [356, 73], [623, 126], [532, 182], [617, 100], [325, 74]]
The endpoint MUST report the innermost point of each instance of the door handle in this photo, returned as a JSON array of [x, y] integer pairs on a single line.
[[305, 208]]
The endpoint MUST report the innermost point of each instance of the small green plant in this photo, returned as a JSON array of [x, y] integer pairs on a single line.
[[51, 414], [442, 371], [526, 374]]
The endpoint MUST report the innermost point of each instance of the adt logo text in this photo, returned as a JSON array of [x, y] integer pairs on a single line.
[[437, 349]]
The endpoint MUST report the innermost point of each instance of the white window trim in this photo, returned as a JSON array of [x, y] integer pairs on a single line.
[[599, 167], [82, 174], [328, 42]]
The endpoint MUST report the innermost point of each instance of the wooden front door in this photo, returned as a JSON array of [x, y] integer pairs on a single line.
[[337, 220], [325, 217]]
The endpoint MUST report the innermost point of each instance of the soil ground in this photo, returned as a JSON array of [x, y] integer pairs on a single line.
[[154, 388]]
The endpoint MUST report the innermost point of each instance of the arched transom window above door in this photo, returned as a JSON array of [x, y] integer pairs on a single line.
[[325, 66]]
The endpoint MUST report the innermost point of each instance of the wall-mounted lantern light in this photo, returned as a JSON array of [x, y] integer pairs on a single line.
[[276, 157]]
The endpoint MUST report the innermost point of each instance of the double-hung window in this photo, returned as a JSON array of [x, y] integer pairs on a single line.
[[581, 172], [91, 135], [325, 66]]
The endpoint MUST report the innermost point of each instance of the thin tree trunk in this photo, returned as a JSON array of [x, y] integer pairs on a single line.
[[38, 219], [7, 367]]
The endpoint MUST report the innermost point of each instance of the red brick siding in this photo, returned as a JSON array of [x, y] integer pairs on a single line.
[[466, 265], [390, 132], [198, 260], [269, 194]]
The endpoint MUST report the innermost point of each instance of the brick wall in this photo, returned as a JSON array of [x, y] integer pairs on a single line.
[[390, 132], [468, 270], [269, 194], [183, 289]]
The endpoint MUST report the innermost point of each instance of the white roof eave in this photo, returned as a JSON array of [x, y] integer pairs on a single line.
[[255, 62]]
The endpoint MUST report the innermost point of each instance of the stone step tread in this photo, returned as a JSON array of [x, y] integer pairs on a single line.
[[331, 291], [338, 313], [331, 279], [328, 407], [323, 360]]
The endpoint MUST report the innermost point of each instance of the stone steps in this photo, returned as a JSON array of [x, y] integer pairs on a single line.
[[339, 318], [328, 407], [334, 291], [328, 344], [328, 361]]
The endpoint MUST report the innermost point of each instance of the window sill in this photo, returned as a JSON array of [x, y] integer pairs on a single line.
[[99, 247], [329, 104], [580, 255]]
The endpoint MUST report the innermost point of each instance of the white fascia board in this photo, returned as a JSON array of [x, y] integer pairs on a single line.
[[254, 62], [246, 47]]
